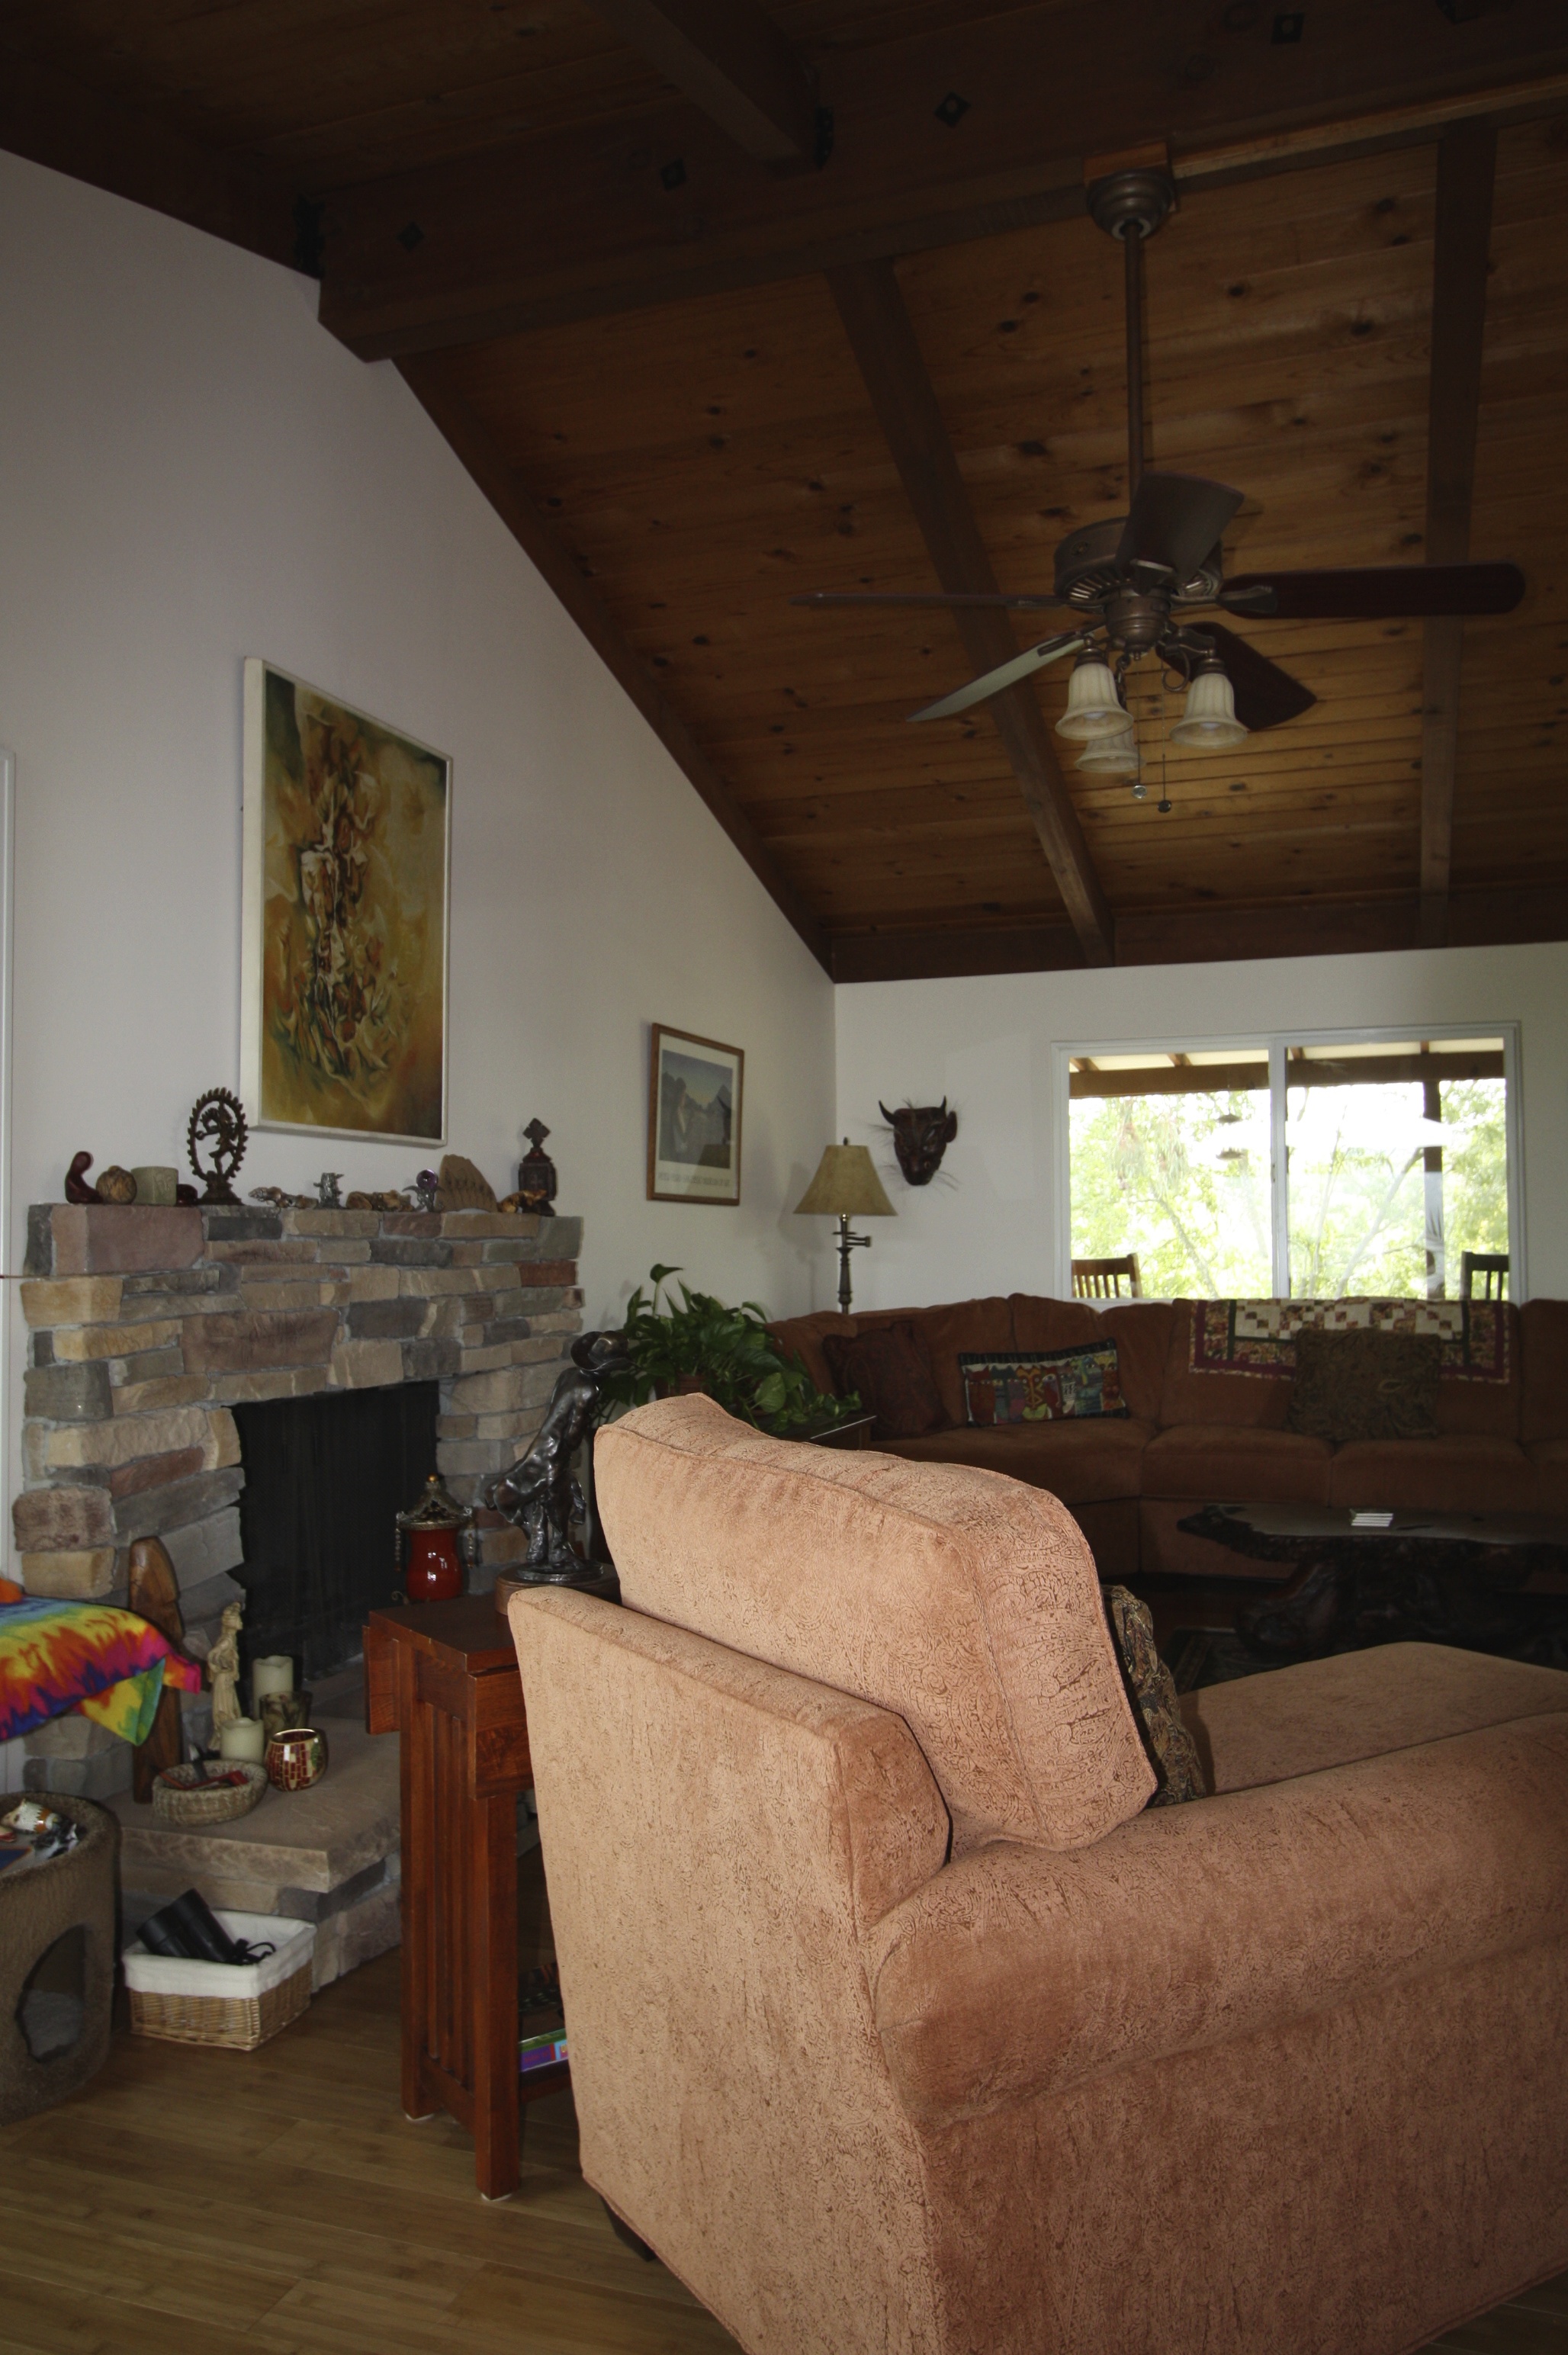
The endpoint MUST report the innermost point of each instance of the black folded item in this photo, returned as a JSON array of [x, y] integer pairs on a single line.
[[187, 1930]]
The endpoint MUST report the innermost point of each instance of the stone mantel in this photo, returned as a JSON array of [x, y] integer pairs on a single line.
[[146, 1324]]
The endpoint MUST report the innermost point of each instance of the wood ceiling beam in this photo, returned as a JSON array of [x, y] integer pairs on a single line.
[[1212, 933], [1466, 170], [732, 61], [54, 120], [509, 496], [939, 138], [883, 341]]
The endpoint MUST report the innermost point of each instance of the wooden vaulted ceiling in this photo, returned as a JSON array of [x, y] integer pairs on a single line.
[[830, 315]]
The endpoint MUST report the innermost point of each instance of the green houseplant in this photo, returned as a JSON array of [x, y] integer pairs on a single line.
[[703, 1345]]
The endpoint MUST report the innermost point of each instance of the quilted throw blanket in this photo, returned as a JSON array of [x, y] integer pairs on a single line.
[[1258, 1336], [110, 1663]]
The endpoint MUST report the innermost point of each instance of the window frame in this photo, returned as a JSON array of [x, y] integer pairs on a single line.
[[1277, 1042]]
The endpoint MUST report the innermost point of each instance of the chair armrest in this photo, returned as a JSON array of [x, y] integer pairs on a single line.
[[1018, 1970]]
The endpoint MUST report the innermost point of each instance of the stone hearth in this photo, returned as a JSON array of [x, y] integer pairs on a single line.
[[147, 1325]]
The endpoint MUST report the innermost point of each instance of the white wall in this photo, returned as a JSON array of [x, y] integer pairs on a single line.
[[192, 471], [988, 1044]]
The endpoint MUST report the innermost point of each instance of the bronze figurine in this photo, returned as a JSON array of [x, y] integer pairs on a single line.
[[217, 1119], [538, 1494]]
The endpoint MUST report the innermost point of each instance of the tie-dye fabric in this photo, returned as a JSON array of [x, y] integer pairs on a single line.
[[110, 1663]]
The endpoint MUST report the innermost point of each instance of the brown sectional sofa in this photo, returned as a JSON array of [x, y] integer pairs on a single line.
[[1194, 1438]]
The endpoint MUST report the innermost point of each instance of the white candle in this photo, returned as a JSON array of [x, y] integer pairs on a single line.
[[274, 1673], [243, 1737]]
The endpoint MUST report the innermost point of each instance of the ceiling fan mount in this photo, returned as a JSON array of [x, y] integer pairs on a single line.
[[1132, 201]]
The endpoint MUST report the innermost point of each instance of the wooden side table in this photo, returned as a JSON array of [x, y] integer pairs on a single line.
[[444, 1676]]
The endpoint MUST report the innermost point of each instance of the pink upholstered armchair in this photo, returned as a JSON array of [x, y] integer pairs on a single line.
[[900, 2023]]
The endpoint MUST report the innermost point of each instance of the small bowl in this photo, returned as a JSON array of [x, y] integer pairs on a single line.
[[182, 1795]]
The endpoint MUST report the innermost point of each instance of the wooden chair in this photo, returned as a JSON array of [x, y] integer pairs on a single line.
[[1101, 1279], [1490, 1266]]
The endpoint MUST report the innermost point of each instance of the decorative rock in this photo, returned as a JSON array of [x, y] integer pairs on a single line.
[[203, 1549], [155, 1471], [388, 1320], [117, 1185], [366, 1365], [156, 1512], [463, 1186], [128, 1436], [73, 1577], [78, 1342]]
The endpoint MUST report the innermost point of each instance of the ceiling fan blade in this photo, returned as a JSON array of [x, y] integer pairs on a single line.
[[1174, 522], [1376, 592], [1007, 674], [1266, 697], [835, 597]]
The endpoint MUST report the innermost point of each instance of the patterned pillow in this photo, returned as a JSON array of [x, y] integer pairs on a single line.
[[891, 1372], [1151, 1688], [1365, 1386], [1041, 1385]]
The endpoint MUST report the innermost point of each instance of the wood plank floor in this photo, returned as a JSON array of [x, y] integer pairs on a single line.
[[279, 2203]]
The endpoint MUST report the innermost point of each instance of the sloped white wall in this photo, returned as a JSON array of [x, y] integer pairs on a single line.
[[192, 471], [988, 1044]]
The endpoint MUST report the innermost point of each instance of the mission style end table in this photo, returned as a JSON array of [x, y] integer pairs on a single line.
[[445, 1677]]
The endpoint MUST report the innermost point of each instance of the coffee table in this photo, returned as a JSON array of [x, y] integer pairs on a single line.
[[1491, 1581]]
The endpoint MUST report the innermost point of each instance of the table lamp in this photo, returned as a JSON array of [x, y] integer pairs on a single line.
[[846, 1186]]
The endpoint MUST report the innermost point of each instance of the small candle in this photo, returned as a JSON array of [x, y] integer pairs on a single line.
[[243, 1737], [274, 1673]]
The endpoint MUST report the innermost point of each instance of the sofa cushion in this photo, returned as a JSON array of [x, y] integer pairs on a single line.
[[1079, 1385], [1461, 1473], [801, 1337], [1141, 1331], [1490, 1409], [1297, 1720], [1151, 1688], [1079, 1461], [1549, 1465], [1543, 1350], [889, 1371], [1239, 1400], [1225, 1464], [966, 1602], [1365, 1386], [948, 1331]]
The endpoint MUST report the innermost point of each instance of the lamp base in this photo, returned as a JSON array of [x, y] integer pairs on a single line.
[[847, 1243]]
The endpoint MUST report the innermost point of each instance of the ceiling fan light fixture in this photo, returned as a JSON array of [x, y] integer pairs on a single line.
[[1209, 723], [1093, 708], [1111, 756]]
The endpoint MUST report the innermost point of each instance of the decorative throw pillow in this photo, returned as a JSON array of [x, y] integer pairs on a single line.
[[1365, 1385], [891, 1372], [1151, 1688], [1041, 1385]]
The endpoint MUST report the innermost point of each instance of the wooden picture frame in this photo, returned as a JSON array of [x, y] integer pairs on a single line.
[[695, 1091], [345, 919]]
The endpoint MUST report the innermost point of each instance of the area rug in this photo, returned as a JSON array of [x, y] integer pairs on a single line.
[[1258, 1336]]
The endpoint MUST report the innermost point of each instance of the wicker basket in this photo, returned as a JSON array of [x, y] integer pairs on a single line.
[[234, 2006], [237, 2022], [181, 1796]]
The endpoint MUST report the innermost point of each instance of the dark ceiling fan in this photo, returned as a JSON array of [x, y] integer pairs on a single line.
[[1133, 579]]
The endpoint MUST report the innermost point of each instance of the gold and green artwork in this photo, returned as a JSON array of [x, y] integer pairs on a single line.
[[344, 998]]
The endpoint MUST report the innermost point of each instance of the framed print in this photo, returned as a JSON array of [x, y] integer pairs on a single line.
[[344, 930], [694, 1118]]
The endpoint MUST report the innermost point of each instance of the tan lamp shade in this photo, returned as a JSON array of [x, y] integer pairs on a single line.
[[846, 1186]]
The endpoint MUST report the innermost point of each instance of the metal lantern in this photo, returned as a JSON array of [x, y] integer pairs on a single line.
[[430, 1545]]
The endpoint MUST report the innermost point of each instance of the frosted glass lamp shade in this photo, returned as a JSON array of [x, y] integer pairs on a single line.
[[1111, 756], [1093, 707], [1210, 721], [846, 1186]]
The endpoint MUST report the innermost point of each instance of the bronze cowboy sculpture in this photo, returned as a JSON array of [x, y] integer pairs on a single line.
[[539, 1494]]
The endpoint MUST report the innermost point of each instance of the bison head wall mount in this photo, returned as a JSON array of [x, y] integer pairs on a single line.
[[922, 1134]]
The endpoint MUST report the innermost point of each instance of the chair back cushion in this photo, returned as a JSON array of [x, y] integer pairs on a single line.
[[961, 1599]]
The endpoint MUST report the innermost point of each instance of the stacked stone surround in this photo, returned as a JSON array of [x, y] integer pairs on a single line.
[[147, 1325]]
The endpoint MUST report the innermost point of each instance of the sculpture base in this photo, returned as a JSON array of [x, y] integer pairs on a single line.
[[588, 1578]]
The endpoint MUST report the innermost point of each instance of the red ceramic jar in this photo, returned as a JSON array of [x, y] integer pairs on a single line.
[[434, 1573]]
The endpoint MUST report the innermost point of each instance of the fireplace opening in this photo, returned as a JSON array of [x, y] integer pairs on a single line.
[[325, 1477]]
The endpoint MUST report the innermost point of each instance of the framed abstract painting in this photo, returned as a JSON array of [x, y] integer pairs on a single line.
[[694, 1118], [347, 831]]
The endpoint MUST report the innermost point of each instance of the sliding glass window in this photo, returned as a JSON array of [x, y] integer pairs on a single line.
[[1315, 1168]]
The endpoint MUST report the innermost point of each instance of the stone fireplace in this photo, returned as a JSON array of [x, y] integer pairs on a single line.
[[148, 1326]]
